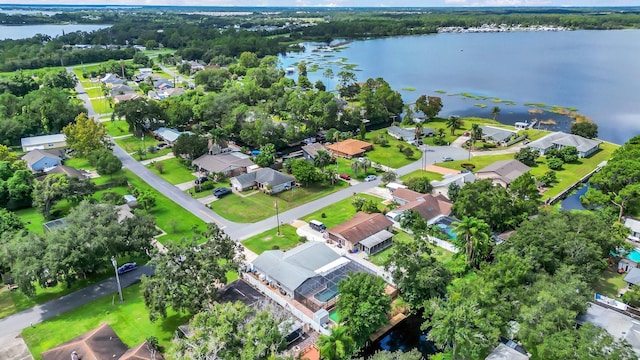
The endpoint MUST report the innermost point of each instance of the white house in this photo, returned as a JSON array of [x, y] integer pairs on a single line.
[[442, 186], [634, 226], [559, 140], [45, 142]]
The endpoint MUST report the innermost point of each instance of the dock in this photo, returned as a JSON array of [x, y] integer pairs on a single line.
[[395, 320]]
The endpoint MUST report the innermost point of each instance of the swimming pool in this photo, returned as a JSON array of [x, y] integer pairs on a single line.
[[634, 256], [447, 229], [326, 294]]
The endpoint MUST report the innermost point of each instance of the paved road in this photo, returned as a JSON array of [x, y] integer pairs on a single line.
[[82, 94], [15, 323]]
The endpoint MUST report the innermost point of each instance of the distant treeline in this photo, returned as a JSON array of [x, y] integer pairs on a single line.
[[199, 36]]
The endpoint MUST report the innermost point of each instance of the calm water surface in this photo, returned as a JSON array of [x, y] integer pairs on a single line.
[[597, 72], [27, 31]]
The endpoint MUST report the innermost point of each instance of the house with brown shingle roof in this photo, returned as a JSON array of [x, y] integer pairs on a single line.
[[99, 344], [370, 233], [430, 207], [350, 148], [502, 172]]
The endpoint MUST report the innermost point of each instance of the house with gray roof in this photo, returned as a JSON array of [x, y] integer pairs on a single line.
[[121, 90], [559, 140], [633, 225], [44, 142], [507, 352], [502, 172], [265, 179], [496, 135], [310, 151], [169, 135], [111, 79], [442, 186], [40, 160], [230, 164], [408, 134], [618, 325], [633, 277], [67, 170]]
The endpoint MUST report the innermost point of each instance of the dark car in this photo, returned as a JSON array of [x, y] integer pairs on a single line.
[[127, 267], [162, 145], [201, 180], [345, 176], [221, 191]]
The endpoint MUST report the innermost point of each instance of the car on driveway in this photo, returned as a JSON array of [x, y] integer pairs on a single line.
[[447, 158], [345, 176], [127, 267], [201, 180], [370, 178], [221, 191]]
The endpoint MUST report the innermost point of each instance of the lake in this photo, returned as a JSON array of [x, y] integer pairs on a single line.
[[27, 31], [595, 72]]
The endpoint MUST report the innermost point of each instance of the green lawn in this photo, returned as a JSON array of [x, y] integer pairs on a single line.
[[173, 171], [94, 91], [390, 155], [344, 167], [130, 320], [422, 173], [32, 219], [132, 144], [176, 221], [339, 212], [79, 163], [235, 208], [479, 161], [117, 127], [269, 240], [101, 106], [610, 283]]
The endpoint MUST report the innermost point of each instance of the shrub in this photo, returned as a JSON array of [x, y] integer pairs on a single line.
[[488, 145], [275, 247], [303, 239], [323, 215], [555, 163]]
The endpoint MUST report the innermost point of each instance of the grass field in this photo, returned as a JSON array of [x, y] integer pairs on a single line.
[[422, 173], [101, 106], [79, 163], [610, 283], [270, 240], [234, 207], [32, 219], [117, 127], [339, 212], [129, 319], [439, 253], [390, 155], [132, 144], [344, 167], [173, 171]]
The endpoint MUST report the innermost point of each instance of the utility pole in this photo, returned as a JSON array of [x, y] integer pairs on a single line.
[[114, 262], [277, 217]]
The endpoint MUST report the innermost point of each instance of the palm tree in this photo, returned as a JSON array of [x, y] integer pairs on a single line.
[[472, 236], [440, 132], [476, 132], [365, 164], [495, 112], [331, 173], [454, 123], [322, 159], [339, 345], [355, 166], [418, 131]]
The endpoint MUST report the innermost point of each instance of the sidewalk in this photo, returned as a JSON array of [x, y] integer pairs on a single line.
[[159, 158]]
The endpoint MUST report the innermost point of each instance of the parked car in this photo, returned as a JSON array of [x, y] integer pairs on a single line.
[[127, 267], [447, 158], [201, 180], [345, 176], [370, 178], [162, 145], [221, 191]]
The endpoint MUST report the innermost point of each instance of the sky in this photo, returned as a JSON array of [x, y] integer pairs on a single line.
[[338, 3]]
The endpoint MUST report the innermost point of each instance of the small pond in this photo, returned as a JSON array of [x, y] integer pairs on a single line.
[[572, 202], [405, 336]]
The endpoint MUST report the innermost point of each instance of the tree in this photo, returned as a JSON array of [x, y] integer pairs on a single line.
[[408, 152], [429, 105], [420, 184], [454, 123], [59, 79], [363, 305], [267, 155], [188, 275], [140, 113], [389, 176], [233, 331], [356, 166], [495, 111], [328, 74], [554, 163], [472, 236], [213, 80], [527, 156], [396, 355], [322, 159], [417, 275], [105, 161], [305, 172], [48, 192], [20, 189], [147, 200], [492, 204], [585, 129], [548, 178], [9, 221], [587, 342], [86, 135], [190, 146], [336, 346], [569, 154], [453, 191]]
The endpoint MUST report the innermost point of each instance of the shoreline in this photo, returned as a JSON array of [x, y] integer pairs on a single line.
[[491, 28]]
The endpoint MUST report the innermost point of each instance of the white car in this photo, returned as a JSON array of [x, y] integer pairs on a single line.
[[370, 178]]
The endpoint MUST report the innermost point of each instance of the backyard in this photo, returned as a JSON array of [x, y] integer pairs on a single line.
[[234, 207], [390, 155], [439, 253], [129, 320], [610, 284]]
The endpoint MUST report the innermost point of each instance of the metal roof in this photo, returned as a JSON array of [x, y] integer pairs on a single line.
[[376, 239], [44, 139]]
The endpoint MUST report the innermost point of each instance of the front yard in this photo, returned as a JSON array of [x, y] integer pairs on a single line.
[[116, 127], [173, 171], [339, 212], [422, 173], [270, 240], [257, 206], [390, 155]]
